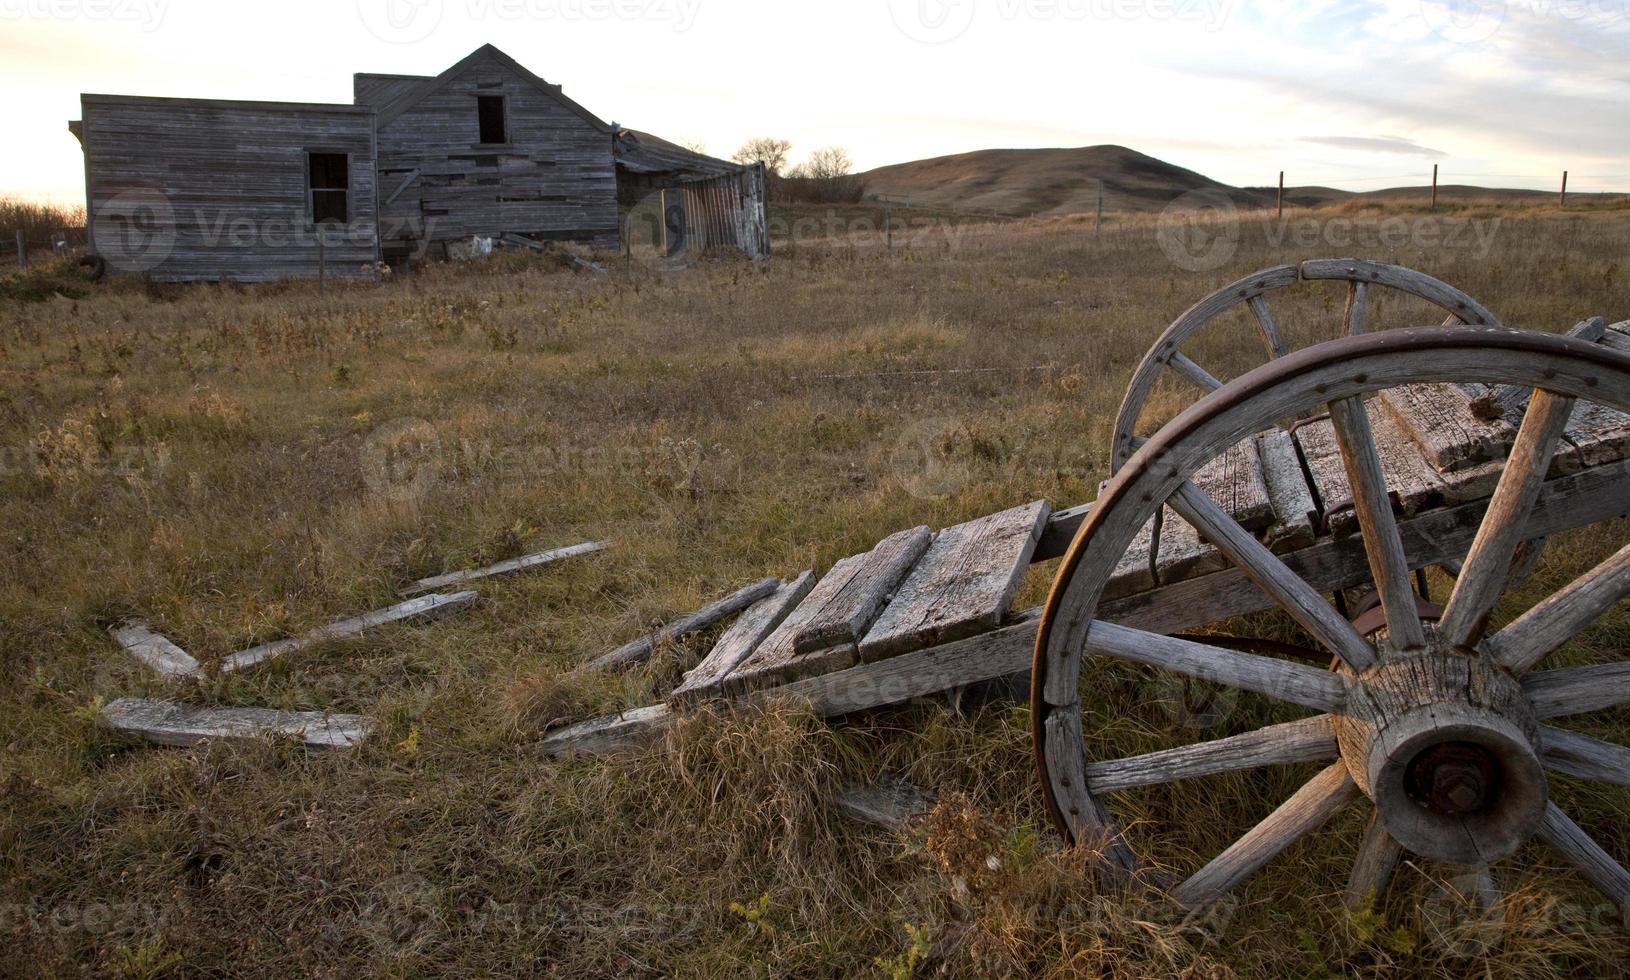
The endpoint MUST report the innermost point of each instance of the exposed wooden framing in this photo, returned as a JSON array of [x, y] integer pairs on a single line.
[[1598, 867], [1573, 754], [639, 651], [1306, 740], [424, 607], [169, 723], [1309, 687], [1554, 620], [1313, 804], [1378, 857], [1329, 565], [1382, 545], [1578, 690], [706, 680], [154, 650], [508, 567]]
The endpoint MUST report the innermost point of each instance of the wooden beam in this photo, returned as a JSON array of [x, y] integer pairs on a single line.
[[740, 640], [640, 650], [154, 650], [509, 567], [169, 723], [422, 608]]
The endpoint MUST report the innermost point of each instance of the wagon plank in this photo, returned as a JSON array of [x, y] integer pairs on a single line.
[[1288, 494], [1414, 484], [640, 650], [963, 585], [1442, 420], [843, 603], [154, 650], [424, 607], [740, 640]]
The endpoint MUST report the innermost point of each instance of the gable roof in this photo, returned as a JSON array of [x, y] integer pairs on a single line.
[[395, 107]]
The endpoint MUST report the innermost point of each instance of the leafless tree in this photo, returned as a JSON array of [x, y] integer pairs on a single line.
[[829, 163], [762, 149]]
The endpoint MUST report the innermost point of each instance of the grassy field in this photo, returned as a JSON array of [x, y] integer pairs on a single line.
[[239, 464]]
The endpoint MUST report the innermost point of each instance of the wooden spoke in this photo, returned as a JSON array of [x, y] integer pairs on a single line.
[[1579, 690], [1270, 330], [1305, 604], [1184, 365], [1320, 690], [1310, 807], [1551, 623], [1353, 318], [1378, 857], [1573, 754], [1598, 867], [1382, 542], [1483, 575], [1306, 740]]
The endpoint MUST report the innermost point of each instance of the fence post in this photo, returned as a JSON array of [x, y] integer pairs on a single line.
[[1564, 188], [22, 249], [1434, 187], [1279, 199]]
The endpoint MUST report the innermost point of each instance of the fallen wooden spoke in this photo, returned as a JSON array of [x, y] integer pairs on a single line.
[[1306, 686], [640, 650], [1598, 867], [1304, 604], [1310, 807], [424, 607], [1378, 857], [1578, 690], [1547, 626], [509, 567], [169, 723], [1483, 575], [1307, 740], [155, 651], [1573, 754], [1382, 543]]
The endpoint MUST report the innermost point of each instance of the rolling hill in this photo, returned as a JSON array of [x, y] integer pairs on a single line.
[[1065, 181]]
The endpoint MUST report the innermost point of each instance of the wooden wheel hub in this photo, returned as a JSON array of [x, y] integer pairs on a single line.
[[1443, 742]]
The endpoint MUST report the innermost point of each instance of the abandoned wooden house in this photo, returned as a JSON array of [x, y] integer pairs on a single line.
[[185, 189]]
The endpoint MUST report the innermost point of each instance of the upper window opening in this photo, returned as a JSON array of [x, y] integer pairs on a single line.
[[491, 110], [330, 182]]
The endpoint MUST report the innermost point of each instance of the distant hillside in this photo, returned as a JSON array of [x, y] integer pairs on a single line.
[[1065, 181], [1051, 181]]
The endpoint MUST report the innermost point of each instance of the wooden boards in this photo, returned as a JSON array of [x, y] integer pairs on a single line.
[[509, 567], [170, 723], [964, 584], [740, 640], [1445, 425], [822, 633], [640, 650], [424, 607], [154, 650]]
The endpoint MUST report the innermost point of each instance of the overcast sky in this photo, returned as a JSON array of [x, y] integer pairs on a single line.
[[1357, 94]]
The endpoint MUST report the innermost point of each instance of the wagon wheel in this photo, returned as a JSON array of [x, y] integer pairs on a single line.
[[1167, 353], [1437, 724]]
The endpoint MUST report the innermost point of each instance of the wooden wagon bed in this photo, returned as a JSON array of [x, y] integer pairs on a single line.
[[924, 612]]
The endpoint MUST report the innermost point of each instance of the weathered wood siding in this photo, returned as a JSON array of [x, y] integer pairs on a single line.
[[377, 90], [553, 180], [200, 189]]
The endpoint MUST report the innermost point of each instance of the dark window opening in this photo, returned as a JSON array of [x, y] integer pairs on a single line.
[[490, 109], [330, 182]]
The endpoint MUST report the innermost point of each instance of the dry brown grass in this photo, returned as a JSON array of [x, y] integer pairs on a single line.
[[218, 460]]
